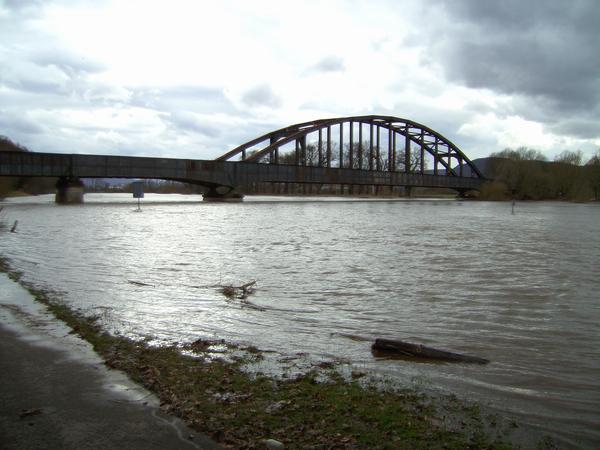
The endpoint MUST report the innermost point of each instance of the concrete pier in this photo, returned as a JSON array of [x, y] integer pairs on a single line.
[[222, 194], [69, 190]]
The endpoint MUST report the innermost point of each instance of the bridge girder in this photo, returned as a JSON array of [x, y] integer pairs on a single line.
[[441, 149]]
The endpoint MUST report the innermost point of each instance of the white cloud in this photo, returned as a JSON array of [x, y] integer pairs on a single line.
[[184, 77]]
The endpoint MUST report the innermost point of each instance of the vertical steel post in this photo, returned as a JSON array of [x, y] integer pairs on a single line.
[[378, 151], [390, 160], [320, 147], [273, 154], [360, 145], [407, 156], [394, 156], [371, 146], [351, 148], [341, 164], [303, 149], [422, 161], [435, 158], [328, 146]]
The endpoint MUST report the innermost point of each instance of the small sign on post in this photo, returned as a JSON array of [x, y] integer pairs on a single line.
[[138, 191]]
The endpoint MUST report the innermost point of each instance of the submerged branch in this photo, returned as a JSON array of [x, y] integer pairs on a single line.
[[242, 292]]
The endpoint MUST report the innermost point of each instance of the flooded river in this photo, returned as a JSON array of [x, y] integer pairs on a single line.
[[332, 275]]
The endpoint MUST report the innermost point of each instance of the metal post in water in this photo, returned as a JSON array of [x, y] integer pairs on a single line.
[[138, 192]]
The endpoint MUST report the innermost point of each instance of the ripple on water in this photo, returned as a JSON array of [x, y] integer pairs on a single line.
[[520, 290]]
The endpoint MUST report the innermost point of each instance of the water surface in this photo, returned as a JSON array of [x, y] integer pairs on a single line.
[[333, 275]]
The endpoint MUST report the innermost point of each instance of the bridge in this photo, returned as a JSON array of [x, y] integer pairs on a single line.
[[366, 151]]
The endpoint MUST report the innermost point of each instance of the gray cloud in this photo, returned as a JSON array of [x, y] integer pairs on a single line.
[[69, 63], [187, 121], [31, 79], [18, 125], [261, 95], [23, 7], [582, 128], [544, 50], [200, 99], [329, 64]]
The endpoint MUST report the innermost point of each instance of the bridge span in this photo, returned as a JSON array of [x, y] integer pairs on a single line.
[[366, 151]]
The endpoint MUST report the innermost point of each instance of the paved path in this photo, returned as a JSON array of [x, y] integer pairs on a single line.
[[57, 395]]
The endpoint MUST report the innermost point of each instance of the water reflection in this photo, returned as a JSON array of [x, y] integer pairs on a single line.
[[519, 289]]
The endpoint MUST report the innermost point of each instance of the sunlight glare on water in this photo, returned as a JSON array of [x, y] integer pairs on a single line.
[[333, 275]]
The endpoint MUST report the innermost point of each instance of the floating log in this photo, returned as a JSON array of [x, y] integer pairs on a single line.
[[139, 283], [421, 351]]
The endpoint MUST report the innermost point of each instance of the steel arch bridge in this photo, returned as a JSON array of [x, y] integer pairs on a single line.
[[374, 143], [371, 151]]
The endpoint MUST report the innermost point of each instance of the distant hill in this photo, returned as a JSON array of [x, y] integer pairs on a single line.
[[7, 145], [483, 164]]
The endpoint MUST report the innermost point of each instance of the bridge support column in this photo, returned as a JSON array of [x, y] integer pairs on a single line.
[[222, 194], [69, 190], [464, 194]]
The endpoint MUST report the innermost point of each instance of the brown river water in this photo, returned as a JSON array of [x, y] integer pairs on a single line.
[[522, 290]]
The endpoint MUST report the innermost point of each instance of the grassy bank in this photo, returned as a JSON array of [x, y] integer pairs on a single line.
[[318, 409]]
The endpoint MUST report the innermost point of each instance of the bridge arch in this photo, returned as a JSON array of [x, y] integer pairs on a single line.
[[372, 142]]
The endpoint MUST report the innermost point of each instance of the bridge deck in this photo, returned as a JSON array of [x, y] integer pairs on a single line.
[[212, 173]]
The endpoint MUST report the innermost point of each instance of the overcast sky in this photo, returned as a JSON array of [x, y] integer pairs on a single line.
[[196, 78]]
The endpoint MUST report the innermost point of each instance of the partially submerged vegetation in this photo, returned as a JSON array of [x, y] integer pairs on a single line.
[[320, 408]]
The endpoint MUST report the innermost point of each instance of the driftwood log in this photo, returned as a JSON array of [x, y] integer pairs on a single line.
[[389, 346]]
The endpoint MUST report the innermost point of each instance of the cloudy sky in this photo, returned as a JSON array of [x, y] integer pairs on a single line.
[[192, 78]]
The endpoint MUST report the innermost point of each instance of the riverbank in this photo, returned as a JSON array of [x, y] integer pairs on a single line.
[[318, 409], [58, 394], [51, 401]]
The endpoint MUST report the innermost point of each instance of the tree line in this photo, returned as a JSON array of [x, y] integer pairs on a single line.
[[22, 185], [526, 174]]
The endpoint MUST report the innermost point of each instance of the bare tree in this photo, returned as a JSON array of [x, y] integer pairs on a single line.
[[568, 157], [520, 154]]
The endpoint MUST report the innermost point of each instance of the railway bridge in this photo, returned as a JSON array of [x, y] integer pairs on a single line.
[[367, 151]]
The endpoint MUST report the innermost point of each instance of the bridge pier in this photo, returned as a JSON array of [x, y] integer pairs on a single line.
[[222, 194], [69, 190]]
